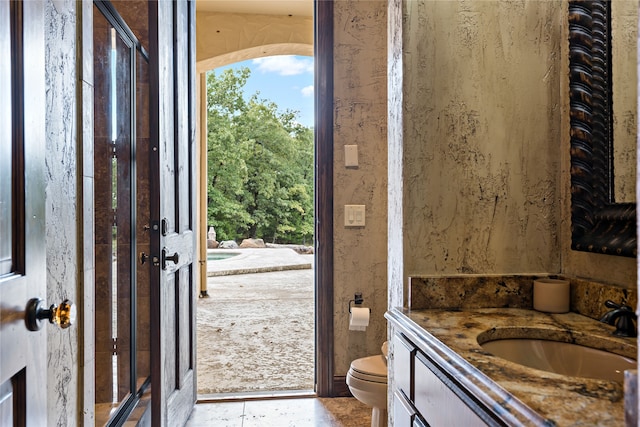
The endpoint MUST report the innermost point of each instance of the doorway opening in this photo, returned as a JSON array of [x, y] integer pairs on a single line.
[[256, 328]]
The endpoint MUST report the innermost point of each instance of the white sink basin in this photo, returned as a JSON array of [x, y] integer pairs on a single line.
[[561, 358]]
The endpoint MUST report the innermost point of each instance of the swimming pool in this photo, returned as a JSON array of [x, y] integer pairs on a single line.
[[220, 256]]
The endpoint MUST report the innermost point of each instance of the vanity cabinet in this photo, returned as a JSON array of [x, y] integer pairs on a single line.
[[403, 411], [447, 379], [425, 395], [435, 399]]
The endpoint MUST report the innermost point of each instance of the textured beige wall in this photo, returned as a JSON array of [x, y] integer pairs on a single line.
[[481, 136], [624, 35], [360, 111], [485, 143], [225, 38]]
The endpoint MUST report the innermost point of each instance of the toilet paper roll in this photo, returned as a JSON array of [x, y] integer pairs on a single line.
[[359, 318], [551, 295]]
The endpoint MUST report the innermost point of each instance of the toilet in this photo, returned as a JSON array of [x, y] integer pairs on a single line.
[[367, 380]]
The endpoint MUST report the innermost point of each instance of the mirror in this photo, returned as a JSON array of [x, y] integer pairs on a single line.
[[599, 222]]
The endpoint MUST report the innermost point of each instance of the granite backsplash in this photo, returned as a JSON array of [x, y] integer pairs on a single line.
[[512, 291]]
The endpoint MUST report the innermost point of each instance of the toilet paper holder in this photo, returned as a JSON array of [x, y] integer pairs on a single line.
[[357, 300]]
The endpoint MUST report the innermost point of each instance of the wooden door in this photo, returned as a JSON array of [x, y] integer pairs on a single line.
[[172, 53], [23, 368]]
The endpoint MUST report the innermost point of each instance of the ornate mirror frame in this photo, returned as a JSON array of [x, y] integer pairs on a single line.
[[598, 224]]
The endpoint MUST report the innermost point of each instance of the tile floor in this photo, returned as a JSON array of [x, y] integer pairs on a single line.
[[298, 412]]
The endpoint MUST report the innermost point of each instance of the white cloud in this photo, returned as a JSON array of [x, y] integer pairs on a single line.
[[285, 65], [307, 90]]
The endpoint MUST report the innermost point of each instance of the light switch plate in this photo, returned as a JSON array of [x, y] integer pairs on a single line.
[[351, 156], [354, 215]]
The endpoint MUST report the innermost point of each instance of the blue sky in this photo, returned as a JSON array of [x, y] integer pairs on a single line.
[[286, 80]]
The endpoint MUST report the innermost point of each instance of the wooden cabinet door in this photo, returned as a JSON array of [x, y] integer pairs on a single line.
[[23, 368], [172, 71]]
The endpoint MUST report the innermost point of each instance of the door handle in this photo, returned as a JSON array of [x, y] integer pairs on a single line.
[[175, 258], [63, 315]]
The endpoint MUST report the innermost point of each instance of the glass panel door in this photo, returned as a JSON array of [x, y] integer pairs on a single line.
[[122, 224]]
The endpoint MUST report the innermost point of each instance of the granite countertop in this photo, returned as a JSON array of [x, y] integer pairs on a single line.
[[541, 398]]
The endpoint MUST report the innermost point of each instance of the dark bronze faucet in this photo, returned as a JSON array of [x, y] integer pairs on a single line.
[[622, 316]]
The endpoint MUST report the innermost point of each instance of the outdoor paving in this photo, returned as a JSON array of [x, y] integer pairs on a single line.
[[255, 331]]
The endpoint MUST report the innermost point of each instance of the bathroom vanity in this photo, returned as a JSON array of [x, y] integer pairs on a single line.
[[442, 376]]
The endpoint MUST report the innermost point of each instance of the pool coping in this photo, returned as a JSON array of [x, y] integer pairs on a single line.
[[257, 260]]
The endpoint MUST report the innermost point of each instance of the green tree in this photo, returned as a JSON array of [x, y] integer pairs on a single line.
[[260, 165], [226, 167]]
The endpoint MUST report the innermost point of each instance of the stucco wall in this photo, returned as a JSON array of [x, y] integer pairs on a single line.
[[61, 209], [225, 38], [485, 157], [624, 50], [360, 110], [481, 137]]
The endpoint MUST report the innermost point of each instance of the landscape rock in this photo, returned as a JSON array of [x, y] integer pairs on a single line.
[[212, 244], [252, 243], [228, 244]]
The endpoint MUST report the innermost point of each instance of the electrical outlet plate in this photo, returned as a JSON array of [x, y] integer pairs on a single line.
[[354, 215]]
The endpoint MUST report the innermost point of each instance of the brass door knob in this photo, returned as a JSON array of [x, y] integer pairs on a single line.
[[63, 315]]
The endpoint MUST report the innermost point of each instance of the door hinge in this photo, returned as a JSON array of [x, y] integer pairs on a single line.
[[114, 346]]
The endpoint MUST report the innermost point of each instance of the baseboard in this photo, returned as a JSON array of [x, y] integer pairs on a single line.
[[340, 387]]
